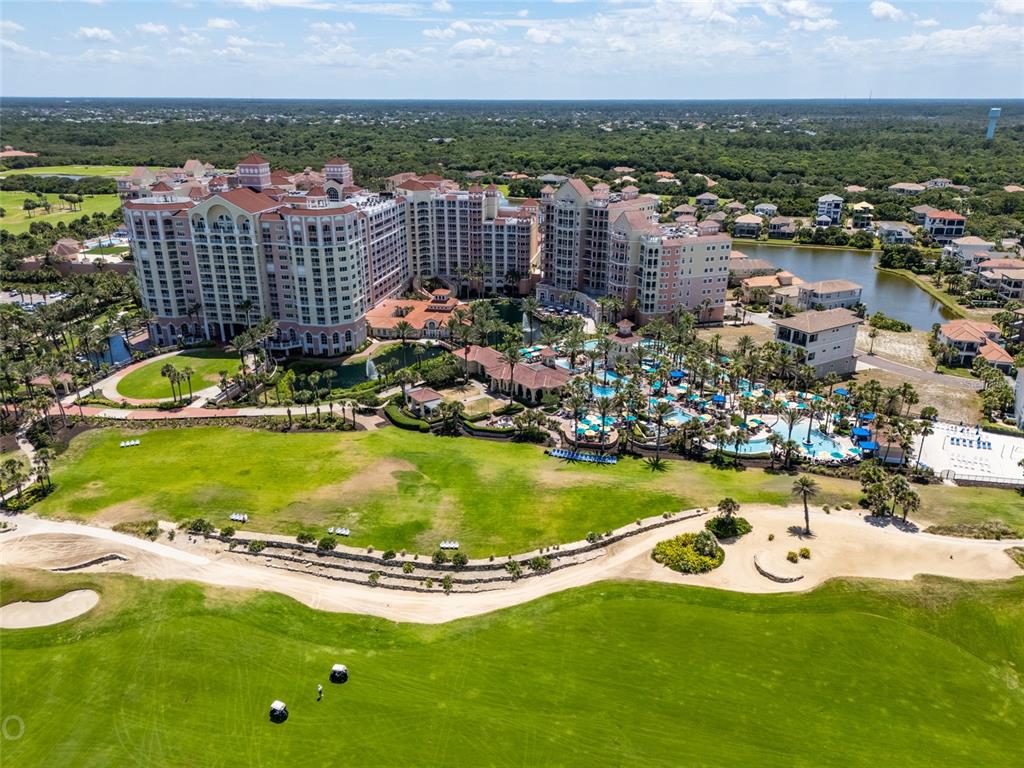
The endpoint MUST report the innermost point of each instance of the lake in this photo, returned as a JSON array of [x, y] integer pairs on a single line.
[[893, 294]]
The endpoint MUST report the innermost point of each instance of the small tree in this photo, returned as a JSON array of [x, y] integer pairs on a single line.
[[728, 507]]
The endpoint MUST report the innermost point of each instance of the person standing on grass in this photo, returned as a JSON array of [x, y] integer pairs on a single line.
[[319, 691]]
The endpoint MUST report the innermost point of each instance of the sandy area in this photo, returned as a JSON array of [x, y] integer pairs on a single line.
[[67, 606], [910, 348], [954, 404], [843, 544]]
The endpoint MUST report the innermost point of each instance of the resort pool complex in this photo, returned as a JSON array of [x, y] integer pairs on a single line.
[[820, 443]]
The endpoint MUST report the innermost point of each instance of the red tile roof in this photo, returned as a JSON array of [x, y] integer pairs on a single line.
[[946, 215], [248, 200], [252, 159]]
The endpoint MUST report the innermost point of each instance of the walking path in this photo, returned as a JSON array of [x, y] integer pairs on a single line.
[[843, 544]]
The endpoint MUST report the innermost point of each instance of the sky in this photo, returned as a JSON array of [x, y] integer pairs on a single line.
[[492, 49]]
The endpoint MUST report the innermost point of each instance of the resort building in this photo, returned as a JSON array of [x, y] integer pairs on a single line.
[[530, 381], [944, 226], [425, 318], [211, 267], [829, 207], [969, 339], [471, 235], [823, 340], [829, 294]]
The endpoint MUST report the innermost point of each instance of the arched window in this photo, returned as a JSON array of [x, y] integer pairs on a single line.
[[323, 340], [292, 336], [336, 339], [348, 337], [309, 340], [333, 194]]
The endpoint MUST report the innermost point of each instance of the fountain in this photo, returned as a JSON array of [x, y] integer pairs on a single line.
[[371, 370]]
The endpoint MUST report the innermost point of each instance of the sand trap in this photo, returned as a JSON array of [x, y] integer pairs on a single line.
[[28, 614]]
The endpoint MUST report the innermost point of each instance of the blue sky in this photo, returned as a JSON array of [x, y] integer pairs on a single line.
[[674, 49]]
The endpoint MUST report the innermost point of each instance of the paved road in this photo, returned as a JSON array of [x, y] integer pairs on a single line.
[[957, 382]]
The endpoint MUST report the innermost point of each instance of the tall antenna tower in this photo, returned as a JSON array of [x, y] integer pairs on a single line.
[[993, 116]]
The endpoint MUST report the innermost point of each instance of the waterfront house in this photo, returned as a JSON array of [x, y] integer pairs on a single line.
[[944, 226], [862, 214], [830, 207], [829, 294], [1006, 279], [968, 251], [783, 227], [919, 213], [767, 210], [747, 225], [972, 338], [894, 233], [824, 340]]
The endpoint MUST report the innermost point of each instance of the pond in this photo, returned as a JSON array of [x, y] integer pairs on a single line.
[[896, 296], [349, 374]]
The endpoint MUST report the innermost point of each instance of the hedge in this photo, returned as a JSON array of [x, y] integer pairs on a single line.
[[400, 419], [510, 410]]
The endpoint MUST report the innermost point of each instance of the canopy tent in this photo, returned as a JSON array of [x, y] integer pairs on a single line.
[[866, 417], [869, 445], [860, 432], [718, 398], [842, 392]]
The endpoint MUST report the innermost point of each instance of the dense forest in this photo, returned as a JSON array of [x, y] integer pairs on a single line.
[[785, 152]]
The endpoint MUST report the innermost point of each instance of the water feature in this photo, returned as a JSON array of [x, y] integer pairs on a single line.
[[115, 348], [371, 369], [893, 294], [820, 442]]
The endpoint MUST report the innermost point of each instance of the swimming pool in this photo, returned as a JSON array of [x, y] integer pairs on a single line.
[[600, 391], [820, 442]]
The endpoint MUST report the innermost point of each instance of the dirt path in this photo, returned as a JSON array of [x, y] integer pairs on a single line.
[[843, 544]]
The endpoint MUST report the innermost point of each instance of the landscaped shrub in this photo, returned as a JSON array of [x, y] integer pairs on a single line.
[[439, 557], [144, 529], [408, 567], [256, 546], [805, 553], [227, 531], [201, 526], [792, 557], [509, 410], [728, 527], [593, 538], [540, 563], [514, 569], [400, 419], [446, 583], [327, 543], [374, 578], [460, 560], [690, 552], [305, 538], [388, 555]]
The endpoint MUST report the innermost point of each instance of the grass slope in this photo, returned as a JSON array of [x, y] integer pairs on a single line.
[[852, 674], [401, 489], [146, 382], [111, 171], [17, 220]]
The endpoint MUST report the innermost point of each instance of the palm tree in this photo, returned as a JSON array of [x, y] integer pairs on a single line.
[[728, 507], [41, 463], [404, 328], [167, 371], [898, 488], [245, 306], [187, 373], [775, 440], [911, 503], [511, 357], [661, 411], [806, 488]]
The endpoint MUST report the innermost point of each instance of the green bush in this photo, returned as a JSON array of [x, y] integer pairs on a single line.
[[305, 538], [593, 538], [201, 526], [440, 557], [327, 543], [374, 578], [510, 410], [728, 527], [690, 552], [400, 419], [460, 560], [227, 531], [446, 583], [792, 557], [408, 567], [805, 553], [256, 546], [388, 555], [514, 569], [540, 563]]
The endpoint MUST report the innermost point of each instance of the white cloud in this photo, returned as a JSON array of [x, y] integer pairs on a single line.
[[219, 23], [522, 14], [442, 6], [439, 33], [473, 47], [886, 11], [240, 42], [94, 33], [542, 36], [1009, 7], [804, 9], [152, 28], [10, 26], [22, 50], [926, 23], [813, 25], [379, 9], [463, 28], [328, 28], [266, 5]]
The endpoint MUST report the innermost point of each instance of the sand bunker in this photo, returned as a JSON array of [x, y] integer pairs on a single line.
[[28, 614]]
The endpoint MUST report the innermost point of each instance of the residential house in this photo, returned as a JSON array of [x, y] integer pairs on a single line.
[[969, 251], [906, 188], [920, 212], [742, 267], [767, 284], [824, 340], [894, 233], [734, 207], [830, 207], [829, 294], [944, 226], [862, 215], [969, 339], [783, 227], [707, 200], [747, 225], [767, 210], [1006, 281]]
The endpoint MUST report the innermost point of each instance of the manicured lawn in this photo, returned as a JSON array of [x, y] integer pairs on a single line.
[[852, 674], [112, 171], [146, 382], [107, 250], [401, 489], [17, 220]]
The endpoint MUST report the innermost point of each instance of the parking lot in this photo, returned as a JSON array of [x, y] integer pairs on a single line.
[[28, 301]]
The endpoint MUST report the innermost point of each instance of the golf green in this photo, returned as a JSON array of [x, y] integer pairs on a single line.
[[403, 490], [146, 383], [852, 674]]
